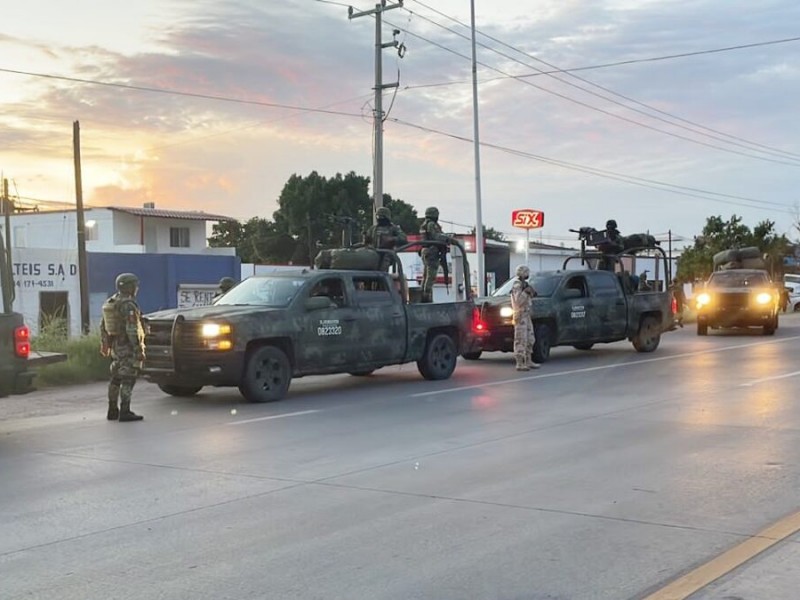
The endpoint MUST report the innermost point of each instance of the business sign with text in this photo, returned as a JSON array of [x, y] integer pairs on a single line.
[[527, 218]]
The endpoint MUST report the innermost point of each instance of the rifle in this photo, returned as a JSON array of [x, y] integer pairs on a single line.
[[445, 268]]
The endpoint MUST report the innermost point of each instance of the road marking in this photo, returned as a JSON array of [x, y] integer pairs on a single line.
[[757, 381], [599, 368], [294, 414], [726, 562]]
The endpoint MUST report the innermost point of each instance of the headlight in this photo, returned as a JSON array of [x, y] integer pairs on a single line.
[[703, 299], [506, 311], [764, 298], [212, 330]]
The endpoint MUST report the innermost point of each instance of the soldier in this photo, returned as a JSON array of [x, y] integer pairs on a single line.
[[384, 235], [521, 303], [431, 255], [225, 285], [613, 245], [122, 335]]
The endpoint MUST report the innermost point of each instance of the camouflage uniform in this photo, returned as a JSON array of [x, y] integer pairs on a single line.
[[225, 285], [521, 303], [431, 256], [122, 333], [385, 235]]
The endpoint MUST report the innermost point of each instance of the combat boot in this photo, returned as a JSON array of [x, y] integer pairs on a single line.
[[531, 364], [521, 364], [127, 415], [113, 402]]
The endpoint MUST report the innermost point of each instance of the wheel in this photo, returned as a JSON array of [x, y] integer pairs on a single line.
[[543, 338], [181, 391], [362, 373], [702, 328], [770, 328], [584, 346], [439, 360], [267, 375], [472, 355], [796, 307], [648, 337]]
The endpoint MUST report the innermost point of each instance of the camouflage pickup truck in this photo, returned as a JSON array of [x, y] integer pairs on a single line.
[[580, 307], [270, 329]]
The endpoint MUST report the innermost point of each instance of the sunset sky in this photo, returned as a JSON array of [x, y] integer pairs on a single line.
[[658, 143]]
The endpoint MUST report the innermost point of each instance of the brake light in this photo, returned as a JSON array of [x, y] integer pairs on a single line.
[[674, 306], [478, 326], [22, 341]]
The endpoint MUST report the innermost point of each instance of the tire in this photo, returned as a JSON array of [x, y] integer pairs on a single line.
[[362, 373], [543, 337], [796, 307], [179, 391], [267, 375], [702, 328], [770, 329], [472, 355], [439, 360], [648, 337], [584, 346]]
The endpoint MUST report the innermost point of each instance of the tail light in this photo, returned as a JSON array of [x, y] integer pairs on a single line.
[[22, 341], [478, 325], [674, 306]]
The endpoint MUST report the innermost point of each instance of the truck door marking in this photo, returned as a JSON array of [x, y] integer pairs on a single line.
[[329, 327], [578, 312]]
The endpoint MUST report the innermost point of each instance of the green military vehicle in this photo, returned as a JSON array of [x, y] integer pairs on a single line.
[[16, 359], [270, 329], [583, 305], [739, 293]]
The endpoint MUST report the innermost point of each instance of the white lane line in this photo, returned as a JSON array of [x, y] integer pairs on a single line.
[[600, 368], [294, 414], [765, 379]]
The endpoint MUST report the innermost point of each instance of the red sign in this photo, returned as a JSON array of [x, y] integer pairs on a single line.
[[527, 218]]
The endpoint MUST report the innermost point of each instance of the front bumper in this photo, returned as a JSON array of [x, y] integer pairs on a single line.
[[499, 338], [193, 368], [736, 317]]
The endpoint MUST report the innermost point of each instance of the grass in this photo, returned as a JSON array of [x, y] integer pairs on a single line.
[[84, 363]]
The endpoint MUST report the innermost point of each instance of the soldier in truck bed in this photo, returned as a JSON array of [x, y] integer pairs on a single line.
[[384, 235]]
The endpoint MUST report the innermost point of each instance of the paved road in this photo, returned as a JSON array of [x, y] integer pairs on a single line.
[[604, 475]]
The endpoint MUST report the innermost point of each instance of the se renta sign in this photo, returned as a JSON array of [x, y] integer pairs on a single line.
[[527, 218]]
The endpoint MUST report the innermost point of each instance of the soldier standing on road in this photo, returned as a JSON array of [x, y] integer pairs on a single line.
[[431, 255], [384, 235], [521, 303], [225, 285], [680, 300], [122, 334]]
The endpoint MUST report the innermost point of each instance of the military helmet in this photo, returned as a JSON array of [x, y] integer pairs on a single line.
[[226, 283], [523, 272], [431, 212], [127, 282], [611, 224], [383, 213]]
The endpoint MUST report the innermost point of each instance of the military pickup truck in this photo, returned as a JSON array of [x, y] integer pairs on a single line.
[[16, 359], [580, 306], [268, 330], [738, 298]]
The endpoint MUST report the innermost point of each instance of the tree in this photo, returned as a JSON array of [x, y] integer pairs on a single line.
[[256, 241], [696, 263], [490, 233]]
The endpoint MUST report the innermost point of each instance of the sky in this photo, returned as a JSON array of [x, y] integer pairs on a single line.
[[656, 113]]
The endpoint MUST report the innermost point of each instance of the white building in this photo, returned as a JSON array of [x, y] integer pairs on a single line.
[[146, 230]]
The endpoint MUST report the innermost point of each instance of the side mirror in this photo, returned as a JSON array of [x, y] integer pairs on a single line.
[[572, 293], [319, 303]]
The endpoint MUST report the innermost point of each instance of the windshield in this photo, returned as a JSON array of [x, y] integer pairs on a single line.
[[791, 278], [263, 291], [544, 285], [736, 280]]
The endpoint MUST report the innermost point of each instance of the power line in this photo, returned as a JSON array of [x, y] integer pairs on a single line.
[[640, 181], [747, 144], [590, 106]]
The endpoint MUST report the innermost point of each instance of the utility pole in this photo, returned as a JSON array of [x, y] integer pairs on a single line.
[[477, 142], [377, 175], [7, 281], [83, 275]]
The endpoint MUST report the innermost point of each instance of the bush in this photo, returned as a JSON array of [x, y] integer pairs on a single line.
[[84, 363]]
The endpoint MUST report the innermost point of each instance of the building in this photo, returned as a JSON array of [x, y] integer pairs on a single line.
[[167, 249]]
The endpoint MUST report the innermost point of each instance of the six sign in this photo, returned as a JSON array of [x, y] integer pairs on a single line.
[[527, 218]]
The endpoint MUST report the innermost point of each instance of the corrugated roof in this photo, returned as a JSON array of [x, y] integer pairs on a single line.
[[191, 215]]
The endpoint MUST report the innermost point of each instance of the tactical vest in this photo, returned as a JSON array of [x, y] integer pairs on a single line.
[[112, 318]]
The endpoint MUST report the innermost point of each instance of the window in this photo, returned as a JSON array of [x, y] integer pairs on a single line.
[[604, 285], [21, 236], [91, 231], [372, 289], [178, 237], [577, 283], [331, 288]]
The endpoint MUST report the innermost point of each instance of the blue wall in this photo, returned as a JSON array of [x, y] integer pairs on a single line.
[[159, 274]]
